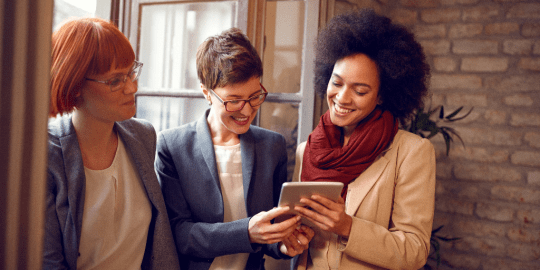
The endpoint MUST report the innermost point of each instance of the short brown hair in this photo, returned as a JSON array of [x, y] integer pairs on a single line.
[[227, 58], [82, 47]]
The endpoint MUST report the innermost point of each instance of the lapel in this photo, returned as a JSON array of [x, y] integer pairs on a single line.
[[204, 143], [74, 173], [364, 183], [247, 148], [136, 149]]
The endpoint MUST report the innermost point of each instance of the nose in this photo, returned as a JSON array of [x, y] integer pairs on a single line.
[[343, 96], [130, 87], [247, 110]]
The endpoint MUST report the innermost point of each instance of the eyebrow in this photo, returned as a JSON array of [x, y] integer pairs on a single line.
[[355, 84], [239, 97]]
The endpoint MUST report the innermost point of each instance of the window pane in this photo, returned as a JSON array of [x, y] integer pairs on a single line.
[[282, 118], [284, 31], [169, 37], [169, 112]]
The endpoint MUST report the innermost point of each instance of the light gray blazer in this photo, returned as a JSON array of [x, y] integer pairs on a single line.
[[66, 190]]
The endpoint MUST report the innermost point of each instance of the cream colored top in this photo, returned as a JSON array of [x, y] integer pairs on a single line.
[[116, 216], [229, 164]]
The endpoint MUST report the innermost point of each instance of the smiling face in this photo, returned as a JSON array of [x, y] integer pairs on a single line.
[[231, 124], [353, 91], [99, 103]]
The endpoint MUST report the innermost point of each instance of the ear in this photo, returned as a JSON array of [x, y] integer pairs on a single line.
[[379, 100], [205, 92]]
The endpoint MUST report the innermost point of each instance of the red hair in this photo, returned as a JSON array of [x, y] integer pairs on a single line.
[[80, 48]]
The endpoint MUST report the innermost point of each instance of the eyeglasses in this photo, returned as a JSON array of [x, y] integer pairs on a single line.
[[238, 104], [118, 82]]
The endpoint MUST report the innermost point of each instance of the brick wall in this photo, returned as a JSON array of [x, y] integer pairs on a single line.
[[483, 54]]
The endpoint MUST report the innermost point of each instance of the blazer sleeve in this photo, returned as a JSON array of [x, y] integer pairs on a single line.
[[53, 252], [405, 244], [194, 238]]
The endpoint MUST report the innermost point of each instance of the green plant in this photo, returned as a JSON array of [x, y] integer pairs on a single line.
[[435, 253], [423, 125]]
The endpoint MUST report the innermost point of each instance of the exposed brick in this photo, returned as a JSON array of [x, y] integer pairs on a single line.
[[419, 3], [505, 28], [435, 47], [517, 194], [512, 84], [465, 30], [489, 247], [495, 263], [518, 100], [533, 139], [430, 31], [536, 49], [474, 100], [517, 47], [475, 47], [523, 252], [439, 188], [443, 170], [404, 16], [505, 137], [440, 15], [471, 192], [481, 172], [525, 119], [524, 11], [455, 206], [481, 13], [456, 82], [531, 216], [495, 117], [494, 212], [436, 100], [527, 158], [533, 178], [529, 64], [530, 29], [462, 261], [524, 235], [480, 154], [446, 64], [458, 2], [480, 228], [484, 64]]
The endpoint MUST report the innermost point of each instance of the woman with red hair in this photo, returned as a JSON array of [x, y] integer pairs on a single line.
[[104, 207]]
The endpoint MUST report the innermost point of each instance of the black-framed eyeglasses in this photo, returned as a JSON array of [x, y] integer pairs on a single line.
[[118, 82], [238, 104]]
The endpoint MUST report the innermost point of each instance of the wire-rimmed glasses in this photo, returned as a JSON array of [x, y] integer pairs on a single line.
[[118, 82], [238, 104]]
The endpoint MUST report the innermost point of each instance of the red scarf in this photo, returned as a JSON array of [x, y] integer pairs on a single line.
[[325, 159]]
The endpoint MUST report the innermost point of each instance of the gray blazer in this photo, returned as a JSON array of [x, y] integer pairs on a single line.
[[66, 189], [186, 166]]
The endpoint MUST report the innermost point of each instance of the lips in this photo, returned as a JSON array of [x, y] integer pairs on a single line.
[[240, 120], [341, 110]]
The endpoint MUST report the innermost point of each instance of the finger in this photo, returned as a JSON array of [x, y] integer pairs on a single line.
[[275, 212], [315, 218], [308, 232], [285, 226], [319, 208], [332, 205]]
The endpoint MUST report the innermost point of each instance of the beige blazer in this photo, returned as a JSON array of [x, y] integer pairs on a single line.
[[392, 205]]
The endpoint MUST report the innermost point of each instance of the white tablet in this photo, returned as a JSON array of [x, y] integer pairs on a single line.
[[291, 192]]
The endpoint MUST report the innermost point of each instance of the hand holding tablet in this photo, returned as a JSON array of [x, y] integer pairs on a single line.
[[292, 192]]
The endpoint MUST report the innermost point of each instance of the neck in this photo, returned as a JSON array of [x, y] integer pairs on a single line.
[[97, 141], [346, 133], [220, 134]]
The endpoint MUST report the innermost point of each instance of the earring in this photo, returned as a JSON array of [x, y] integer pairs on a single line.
[[209, 102]]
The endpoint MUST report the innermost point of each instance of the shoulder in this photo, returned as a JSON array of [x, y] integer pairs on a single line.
[[265, 134], [181, 131], [406, 143], [136, 124]]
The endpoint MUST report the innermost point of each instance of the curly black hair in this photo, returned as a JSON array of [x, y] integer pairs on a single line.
[[403, 70]]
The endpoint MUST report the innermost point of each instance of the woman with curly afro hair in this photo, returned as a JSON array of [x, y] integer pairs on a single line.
[[374, 75]]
